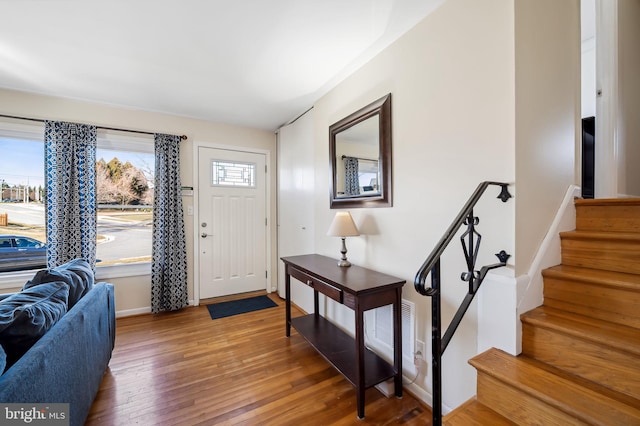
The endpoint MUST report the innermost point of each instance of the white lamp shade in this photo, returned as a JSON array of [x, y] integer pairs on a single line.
[[343, 226]]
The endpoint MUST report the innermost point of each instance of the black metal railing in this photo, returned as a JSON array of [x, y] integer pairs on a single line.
[[470, 240]]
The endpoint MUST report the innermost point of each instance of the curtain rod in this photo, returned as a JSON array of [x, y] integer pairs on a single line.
[[359, 158], [298, 117], [183, 137]]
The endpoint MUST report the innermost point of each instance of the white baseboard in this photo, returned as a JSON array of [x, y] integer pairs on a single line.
[[139, 311], [387, 389], [426, 397], [548, 253], [131, 312]]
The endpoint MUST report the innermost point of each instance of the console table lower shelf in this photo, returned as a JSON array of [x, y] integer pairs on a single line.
[[359, 289], [339, 349]]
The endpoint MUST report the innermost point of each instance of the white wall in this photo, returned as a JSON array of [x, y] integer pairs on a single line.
[[133, 293], [296, 184], [547, 46], [629, 97], [588, 63], [473, 99], [588, 78], [451, 80], [617, 104]]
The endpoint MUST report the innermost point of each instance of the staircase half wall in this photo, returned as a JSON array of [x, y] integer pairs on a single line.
[[504, 297]]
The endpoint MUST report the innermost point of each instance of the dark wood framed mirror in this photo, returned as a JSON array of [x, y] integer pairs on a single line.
[[360, 157]]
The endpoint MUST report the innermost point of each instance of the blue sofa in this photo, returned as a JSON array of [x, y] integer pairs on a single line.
[[67, 362]]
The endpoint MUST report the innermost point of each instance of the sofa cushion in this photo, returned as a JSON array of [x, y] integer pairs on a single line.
[[3, 360], [77, 274], [26, 316]]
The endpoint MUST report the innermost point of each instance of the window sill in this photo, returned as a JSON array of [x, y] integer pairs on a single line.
[[11, 280], [15, 279], [121, 271]]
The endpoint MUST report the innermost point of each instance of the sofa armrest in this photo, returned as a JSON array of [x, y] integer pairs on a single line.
[[67, 364], [111, 306]]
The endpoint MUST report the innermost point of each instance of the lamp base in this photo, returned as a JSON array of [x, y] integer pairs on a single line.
[[343, 260], [344, 263]]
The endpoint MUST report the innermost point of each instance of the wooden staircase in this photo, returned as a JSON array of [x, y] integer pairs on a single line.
[[580, 361]]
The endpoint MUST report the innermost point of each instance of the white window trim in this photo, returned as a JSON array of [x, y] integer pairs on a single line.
[[15, 130], [105, 273], [14, 280], [117, 141]]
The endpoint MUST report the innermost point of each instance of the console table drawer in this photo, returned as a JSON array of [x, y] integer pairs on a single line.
[[322, 287]]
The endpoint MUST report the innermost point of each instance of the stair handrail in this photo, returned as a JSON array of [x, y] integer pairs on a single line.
[[432, 266]]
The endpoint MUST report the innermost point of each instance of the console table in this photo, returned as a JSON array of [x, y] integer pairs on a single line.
[[360, 289]]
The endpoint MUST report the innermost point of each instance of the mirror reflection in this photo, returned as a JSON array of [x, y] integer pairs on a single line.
[[358, 159]]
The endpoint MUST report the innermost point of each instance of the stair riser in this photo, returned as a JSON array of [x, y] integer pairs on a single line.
[[617, 370], [606, 254], [519, 406], [608, 218], [596, 301]]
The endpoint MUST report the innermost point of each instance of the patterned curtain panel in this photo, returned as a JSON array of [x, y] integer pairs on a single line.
[[70, 163], [352, 183], [169, 255]]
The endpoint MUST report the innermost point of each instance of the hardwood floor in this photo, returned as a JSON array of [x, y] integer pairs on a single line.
[[183, 368]]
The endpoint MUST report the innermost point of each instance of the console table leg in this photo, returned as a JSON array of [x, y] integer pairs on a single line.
[[287, 296], [360, 362], [397, 336], [316, 303]]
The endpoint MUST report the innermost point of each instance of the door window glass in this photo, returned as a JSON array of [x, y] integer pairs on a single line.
[[237, 174]]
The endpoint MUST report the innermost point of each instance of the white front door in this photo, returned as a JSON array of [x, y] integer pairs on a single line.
[[232, 216]]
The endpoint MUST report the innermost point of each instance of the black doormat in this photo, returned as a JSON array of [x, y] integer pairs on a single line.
[[241, 306]]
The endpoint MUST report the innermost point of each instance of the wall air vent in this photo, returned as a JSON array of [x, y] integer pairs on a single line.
[[380, 332]]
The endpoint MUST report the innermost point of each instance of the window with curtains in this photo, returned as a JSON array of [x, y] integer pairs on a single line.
[[125, 180]]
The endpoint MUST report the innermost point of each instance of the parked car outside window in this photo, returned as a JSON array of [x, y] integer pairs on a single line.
[[18, 253]]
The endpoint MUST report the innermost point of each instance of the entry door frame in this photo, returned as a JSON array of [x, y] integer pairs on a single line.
[[196, 211]]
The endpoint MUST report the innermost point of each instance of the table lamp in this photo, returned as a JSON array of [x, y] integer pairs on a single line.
[[343, 226]]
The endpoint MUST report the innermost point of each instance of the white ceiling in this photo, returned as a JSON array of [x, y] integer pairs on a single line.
[[256, 63]]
